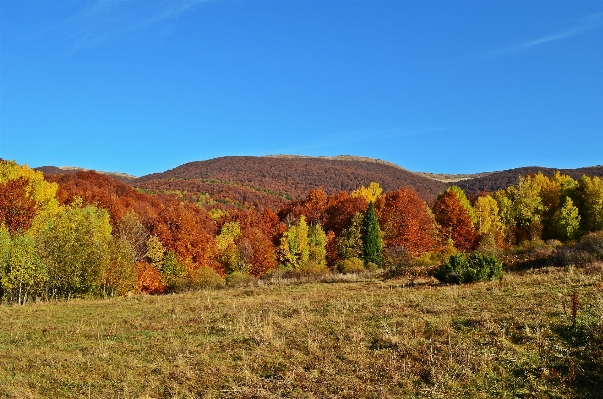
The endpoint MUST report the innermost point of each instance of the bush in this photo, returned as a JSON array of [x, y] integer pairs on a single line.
[[593, 244], [400, 263], [352, 265], [587, 251], [371, 267], [239, 279], [204, 278], [312, 269], [469, 268]]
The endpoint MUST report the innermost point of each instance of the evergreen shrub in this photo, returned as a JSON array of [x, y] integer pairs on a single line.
[[469, 268]]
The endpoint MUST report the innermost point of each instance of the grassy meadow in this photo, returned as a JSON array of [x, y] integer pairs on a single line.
[[532, 334]]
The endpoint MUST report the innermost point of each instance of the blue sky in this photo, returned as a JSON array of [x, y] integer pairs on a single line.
[[439, 86]]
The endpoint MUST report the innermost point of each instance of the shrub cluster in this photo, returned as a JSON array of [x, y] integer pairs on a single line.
[[469, 268]]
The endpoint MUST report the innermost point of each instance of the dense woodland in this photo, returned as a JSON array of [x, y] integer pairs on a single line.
[[86, 234]]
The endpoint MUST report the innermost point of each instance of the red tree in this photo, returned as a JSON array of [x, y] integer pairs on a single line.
[[17, 208], [406, 222], [455, 221], [187, 230]]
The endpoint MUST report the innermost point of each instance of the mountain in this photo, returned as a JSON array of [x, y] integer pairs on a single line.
[[294, 176]]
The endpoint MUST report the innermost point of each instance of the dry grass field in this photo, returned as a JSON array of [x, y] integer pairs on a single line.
[[534, 334]]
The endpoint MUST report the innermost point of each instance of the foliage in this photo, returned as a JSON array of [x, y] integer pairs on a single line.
[[350, 266], [407, 222], [187, 230], [487, 221], [349, 244], [22, 271], [372, 244], [460, 194], [204, 278], [469, 268], [239, 279], [317, 241], [370, 193], [155, 251], [75, 248], [228, 253], [118, 276], [173, 273], [312, 269], [131, 229], [455, 221], [148, 279], [294, 249], [591, 190], [27, 201], [566, 220]]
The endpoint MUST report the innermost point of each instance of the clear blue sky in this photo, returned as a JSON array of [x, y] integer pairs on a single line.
[[439, 86]]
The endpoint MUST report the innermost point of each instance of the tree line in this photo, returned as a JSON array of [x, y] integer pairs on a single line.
[[87, 235]]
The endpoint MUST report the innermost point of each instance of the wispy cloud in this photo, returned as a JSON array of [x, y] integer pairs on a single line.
[[587, 24], [342, 140], [106, 20]]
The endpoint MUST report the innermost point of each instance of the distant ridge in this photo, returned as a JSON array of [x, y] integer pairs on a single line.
[[496, 180], [270, 181], [65, 170], [295, 175]]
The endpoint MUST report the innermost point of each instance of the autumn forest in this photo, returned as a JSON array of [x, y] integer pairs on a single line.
[[87, 234]]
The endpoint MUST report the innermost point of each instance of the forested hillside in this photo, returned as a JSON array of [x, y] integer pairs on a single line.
[[295, 176], [497, 180]]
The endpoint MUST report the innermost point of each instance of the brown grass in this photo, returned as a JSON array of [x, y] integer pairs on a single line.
[[365, 338]]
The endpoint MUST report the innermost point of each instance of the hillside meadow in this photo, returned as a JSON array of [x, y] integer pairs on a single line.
[[531, 334]]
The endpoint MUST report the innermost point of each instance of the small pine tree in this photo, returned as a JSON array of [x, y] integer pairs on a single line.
[[372, 244]]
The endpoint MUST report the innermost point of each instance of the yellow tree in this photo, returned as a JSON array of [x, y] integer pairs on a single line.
[[488, 223], [75, 246], [37, 189], [592, 202], [228, 253], [370, 193], [294, 250], [22, 272]]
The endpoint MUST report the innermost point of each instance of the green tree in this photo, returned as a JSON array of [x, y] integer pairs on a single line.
[[23, 272], [317, 242], [118, 276], [566, 220], [349, 243], [372, 243], [75, 247], [173, 273], [592, 202]]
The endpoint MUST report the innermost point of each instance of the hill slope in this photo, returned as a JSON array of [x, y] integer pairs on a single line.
[[497, 180], [295, 176]]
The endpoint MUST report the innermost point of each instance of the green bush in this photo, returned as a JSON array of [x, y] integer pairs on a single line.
[[469, 268], [352, 265]]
